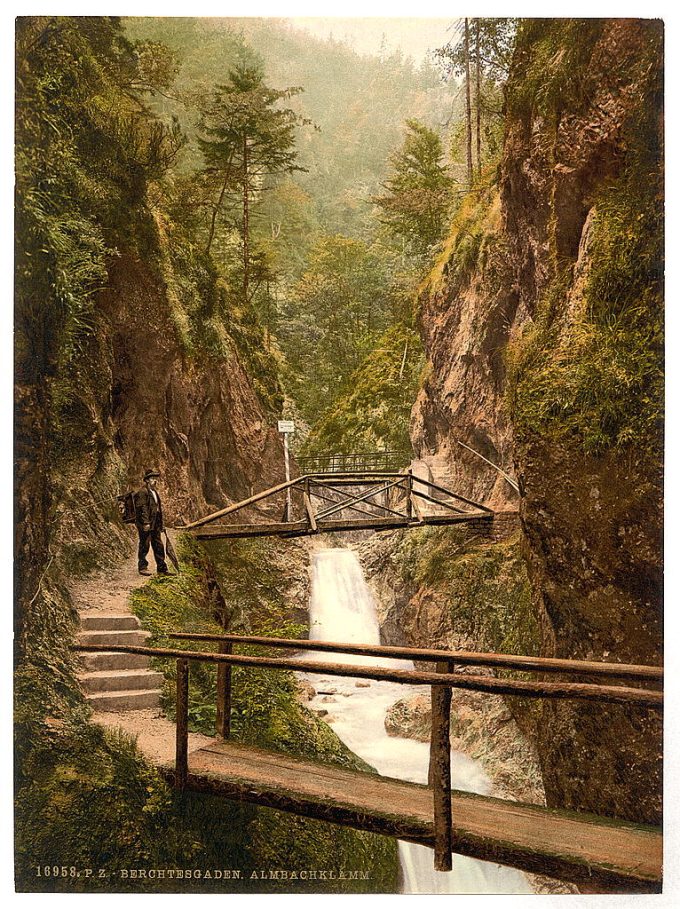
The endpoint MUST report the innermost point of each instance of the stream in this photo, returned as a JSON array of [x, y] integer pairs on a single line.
[[342, 609]]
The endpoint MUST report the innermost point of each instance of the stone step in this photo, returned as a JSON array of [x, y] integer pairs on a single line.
[[121, 680], [129, 699], [109, 622], [102, 638], [95, 662]]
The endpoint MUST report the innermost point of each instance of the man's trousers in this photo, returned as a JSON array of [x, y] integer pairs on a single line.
[[152, 537]]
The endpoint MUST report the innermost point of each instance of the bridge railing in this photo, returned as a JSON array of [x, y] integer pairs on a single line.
[[441, 682], [354, 461]]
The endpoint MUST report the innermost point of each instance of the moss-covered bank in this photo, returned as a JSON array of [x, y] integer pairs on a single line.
[[88, 798]]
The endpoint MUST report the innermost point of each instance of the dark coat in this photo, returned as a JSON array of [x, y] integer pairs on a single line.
[[147, 511]]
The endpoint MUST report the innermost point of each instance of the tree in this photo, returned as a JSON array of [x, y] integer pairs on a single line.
[[246, 140], [490, 53], [468, 110], [417, 195], [333, 315]]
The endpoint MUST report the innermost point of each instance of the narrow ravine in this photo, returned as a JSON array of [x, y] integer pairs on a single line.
[[342, 609]]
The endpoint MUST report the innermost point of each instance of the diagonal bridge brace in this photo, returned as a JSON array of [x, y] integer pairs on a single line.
[[351, 500]]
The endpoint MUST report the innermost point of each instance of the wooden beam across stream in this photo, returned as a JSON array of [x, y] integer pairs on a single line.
[[607, 855], [524, 841], [302, 528], [380, 483]]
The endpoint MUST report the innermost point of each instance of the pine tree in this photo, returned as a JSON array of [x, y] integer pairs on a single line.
[[246, 140], [418, 191]]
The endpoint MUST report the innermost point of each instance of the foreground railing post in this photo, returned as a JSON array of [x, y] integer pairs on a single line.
[[223, 722], [182, 719], [440, 772]]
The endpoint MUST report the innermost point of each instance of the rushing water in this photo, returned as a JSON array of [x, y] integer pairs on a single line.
[[342, 609]]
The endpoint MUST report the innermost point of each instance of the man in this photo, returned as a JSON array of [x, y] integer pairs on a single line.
[[149, 523]]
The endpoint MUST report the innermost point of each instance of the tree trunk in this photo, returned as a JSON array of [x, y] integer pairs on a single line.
[[468, 105], [246, 225], [218, 204], [478, 98]]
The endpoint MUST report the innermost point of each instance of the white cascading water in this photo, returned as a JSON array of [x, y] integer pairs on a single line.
[[342, 609]]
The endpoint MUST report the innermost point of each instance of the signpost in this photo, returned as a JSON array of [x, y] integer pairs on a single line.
[[286, 427]]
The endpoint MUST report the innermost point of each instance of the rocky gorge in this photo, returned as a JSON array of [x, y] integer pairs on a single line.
[[541, 320]]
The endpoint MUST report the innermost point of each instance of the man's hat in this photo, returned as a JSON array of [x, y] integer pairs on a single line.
[[151, 473]]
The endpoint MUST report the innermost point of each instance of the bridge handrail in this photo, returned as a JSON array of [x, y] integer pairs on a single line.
[[441, 682], [616, 694], [523, 663], [327, 462]]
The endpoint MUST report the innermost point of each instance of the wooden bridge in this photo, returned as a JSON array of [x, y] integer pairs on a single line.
[[605, 854], [318, 503]]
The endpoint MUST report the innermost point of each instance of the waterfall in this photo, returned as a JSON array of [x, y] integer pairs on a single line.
[[342, 609]]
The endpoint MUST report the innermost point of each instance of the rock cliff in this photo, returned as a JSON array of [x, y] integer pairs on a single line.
[[542, 325]]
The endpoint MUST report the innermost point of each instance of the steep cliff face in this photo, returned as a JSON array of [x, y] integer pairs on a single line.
[[470, 307], [156, 390], [197, 416], [544, 339]]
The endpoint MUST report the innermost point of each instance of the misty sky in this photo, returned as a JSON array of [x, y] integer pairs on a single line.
[[414, 36]]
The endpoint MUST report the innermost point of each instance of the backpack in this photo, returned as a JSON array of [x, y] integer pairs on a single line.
[[126, 507]]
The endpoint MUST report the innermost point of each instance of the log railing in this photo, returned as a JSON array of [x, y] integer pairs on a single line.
[[359, 460], [442, 681]]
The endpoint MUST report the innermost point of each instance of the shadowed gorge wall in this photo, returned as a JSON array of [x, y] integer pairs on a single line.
[[543, 329]]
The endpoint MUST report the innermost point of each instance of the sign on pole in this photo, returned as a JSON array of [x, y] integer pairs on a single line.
[[287, 426]]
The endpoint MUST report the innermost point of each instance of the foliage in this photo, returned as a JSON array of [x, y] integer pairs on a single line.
[[593, 370], [358, 102], [485, 588], [417, 197], [473, 232], [334, 315], [86, 147], [549, 66], [480, 50], [496, 44], [374, 413]]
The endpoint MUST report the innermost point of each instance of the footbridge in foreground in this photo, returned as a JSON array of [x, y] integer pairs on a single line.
[[602, 853]]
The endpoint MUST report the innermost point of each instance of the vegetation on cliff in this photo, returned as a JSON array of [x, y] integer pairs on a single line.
[[592, 368]]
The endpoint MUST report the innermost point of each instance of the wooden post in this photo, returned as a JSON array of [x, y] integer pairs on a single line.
[[440, 773], [286, 457], [223, 721], [182, 719], [409, 494]]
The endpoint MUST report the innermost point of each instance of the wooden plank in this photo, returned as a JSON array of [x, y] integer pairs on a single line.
[[640, 697], [450, 493], [612, 855], [315, 492], [271, 528], [426, 654], [223, 719], [300, 528], [424, 495], [238, 505], [355, 500]]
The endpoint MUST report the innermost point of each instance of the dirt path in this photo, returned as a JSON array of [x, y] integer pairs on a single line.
[[108, 593]]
